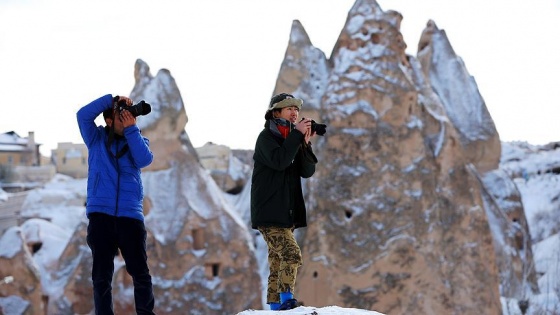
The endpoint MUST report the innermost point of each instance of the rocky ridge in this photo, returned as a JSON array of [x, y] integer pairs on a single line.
[[398, 209]]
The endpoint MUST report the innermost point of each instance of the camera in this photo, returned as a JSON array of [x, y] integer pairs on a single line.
[[319, 129], [142, 108]]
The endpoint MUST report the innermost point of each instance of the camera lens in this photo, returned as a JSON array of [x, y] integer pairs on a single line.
[[319, 129], [142, 108]]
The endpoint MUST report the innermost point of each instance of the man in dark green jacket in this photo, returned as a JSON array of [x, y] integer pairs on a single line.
[[283, 156]]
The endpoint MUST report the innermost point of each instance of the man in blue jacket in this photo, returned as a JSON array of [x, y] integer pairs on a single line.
[[117, 152]]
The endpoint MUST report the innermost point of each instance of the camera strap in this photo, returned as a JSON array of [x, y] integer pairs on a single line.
[[111, 137]]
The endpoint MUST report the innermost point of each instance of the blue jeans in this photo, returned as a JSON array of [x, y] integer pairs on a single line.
[[106, 234]]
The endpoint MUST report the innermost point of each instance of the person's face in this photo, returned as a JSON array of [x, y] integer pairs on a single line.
[[119, 127], [289, 113]]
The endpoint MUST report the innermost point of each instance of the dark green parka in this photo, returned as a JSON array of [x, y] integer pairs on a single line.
[[276, 194]]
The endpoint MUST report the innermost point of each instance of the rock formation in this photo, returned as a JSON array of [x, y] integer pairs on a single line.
[[460, 97], [529, 177], [24, 294], [304, 71], [512, 238], [166, 123], [74, 275], [397, 209]]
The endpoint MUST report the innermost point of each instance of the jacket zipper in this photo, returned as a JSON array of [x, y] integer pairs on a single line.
[[118, 177]]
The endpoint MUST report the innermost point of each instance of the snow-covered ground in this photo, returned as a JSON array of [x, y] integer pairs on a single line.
[[306, 310]]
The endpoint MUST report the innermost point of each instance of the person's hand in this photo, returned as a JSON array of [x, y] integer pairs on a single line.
[[126, 118], [127, 100], [304, 126], [309, 135]]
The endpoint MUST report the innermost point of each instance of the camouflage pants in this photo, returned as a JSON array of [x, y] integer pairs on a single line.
[[284, 259]]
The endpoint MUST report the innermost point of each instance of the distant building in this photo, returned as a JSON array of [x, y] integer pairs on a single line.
[[229, 172], [71, 159], [18, 151], [21, 165]]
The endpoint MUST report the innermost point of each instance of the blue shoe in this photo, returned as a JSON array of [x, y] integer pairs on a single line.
[[274, 306], [284, 296]]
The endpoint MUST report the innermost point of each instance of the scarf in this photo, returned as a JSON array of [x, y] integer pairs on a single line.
[[280, 127]]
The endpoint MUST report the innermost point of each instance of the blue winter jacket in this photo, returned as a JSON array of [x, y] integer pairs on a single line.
[[114, 185]]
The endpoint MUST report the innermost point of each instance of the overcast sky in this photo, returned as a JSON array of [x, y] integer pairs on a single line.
[[225, 55]]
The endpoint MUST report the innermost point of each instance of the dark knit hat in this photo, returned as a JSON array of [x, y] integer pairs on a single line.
[[284, 100]]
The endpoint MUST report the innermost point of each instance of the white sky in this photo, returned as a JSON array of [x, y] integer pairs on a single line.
[[56, 56]]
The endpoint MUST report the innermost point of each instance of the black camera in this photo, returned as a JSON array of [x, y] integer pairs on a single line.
[[142, 108], [319, 129]]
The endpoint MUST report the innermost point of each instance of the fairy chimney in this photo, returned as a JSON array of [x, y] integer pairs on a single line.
[[397, 218]]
